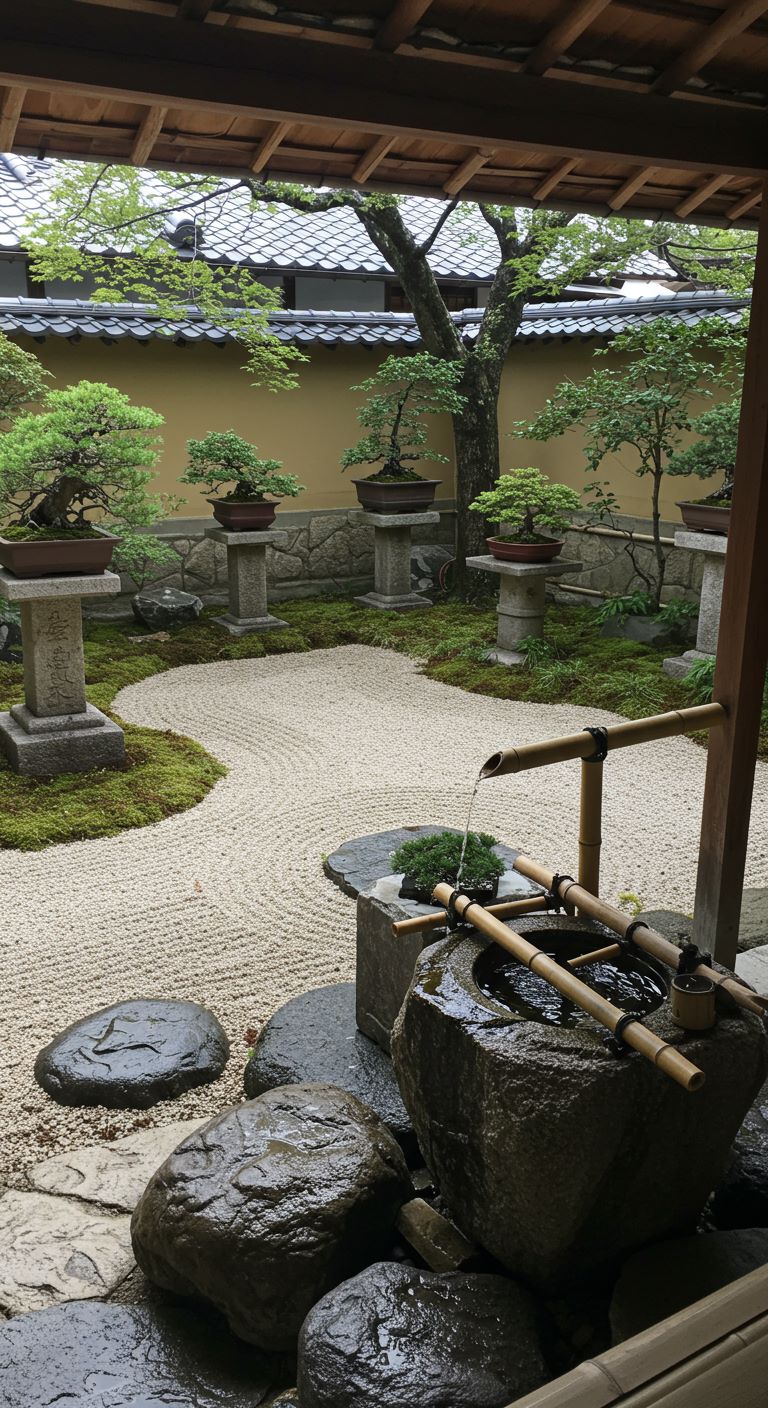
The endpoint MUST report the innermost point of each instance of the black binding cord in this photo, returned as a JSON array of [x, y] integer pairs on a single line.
[[691, 957], [453, 918], [554, 902], [600, 736], [616, 1042], [629, 933]]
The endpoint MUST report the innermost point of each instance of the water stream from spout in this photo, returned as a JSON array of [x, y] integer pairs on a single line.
[[460, 870]]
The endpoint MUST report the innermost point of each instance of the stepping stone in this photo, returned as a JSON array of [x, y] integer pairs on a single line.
[[398, 1336], [128, 1357], [52, 1250], [129, 1056], [357, 865], [665, 1278], [315, 1038], [112, 1175], [752, 966]]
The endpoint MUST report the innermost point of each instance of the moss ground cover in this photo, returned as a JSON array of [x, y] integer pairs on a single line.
[[166, 773]]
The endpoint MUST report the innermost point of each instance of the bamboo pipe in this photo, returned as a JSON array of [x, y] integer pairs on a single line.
[[582, 745], [504, 909], [667, 1058], [582, 959], [645, 938], [590, 825]]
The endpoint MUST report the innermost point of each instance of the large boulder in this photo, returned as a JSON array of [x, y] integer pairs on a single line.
[[127, 1357], [741, 1200], [270, 1205], [397, 1336], [133, 1054], [666, 1278], [314, 1038], [166, 608], [553, 1154]]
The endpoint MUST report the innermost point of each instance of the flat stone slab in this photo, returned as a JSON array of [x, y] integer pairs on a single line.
[[52, 1250], [119, 1356], [425, 518], [112, 1175], [663, 1279], [715, 543], [133, 1054], [37, 751], [753, 927], [44, 588], [556, 568], [251, 538], [247, 625], [315, 1038], [357, 865], [752, 966]]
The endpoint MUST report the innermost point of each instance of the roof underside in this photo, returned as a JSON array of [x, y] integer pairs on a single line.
[[642, 107]]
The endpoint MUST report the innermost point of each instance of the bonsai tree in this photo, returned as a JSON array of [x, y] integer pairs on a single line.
[[222, 457], [405, 391], [431, 859], [86, 458], [715, 452], [529, 501], [22, 379]]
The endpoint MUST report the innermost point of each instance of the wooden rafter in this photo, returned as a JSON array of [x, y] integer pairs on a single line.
[[739, 15], [400, 22], [554, 177], [372, 158], [700, 195], [559, 39], [149, 130], [269, 145], [194, 9], [630, 187], [747, 202], [464, 173], [11, 104]]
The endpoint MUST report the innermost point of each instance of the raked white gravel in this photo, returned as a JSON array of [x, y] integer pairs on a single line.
[[227, 904]]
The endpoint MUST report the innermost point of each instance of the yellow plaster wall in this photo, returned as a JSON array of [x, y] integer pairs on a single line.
[[202, 387]]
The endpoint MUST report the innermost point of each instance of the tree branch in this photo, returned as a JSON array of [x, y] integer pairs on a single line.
[[447, 212]]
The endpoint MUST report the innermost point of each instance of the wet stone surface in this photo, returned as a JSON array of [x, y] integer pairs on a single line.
[[357, 865], [397, 1336], [111, 1175], [741, 1200], [163, 608], [270, 1205], [131, 1055], [53, 1250], [315, 1038], [666, 1278], [115, 1356]]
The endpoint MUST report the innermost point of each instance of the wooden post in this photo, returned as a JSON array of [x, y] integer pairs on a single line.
[[590, 822], [742, 651]]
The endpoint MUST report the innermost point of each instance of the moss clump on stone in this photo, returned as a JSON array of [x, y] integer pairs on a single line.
[[431, 859]]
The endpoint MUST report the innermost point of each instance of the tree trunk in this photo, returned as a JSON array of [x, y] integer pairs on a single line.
[[661, 560], [476, 440]]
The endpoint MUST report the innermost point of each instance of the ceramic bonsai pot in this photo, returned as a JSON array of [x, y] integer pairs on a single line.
[[57, 557], [705, 518], [403, 496], [507, 550], [243, 517]]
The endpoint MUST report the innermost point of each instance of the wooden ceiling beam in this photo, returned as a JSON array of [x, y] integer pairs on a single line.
[[700, 195], [194, 9], [553, 178], [130, 56], [372, 158], [630, 187], [747, 202], [562, 35], [739, 15], [400, 22], [269, 145], [463, 174], [11, 105], [149, 130]]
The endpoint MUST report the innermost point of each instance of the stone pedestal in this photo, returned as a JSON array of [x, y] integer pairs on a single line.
[[713, 547], [522, 593], [392, 547], [247, 573], [55, 730]]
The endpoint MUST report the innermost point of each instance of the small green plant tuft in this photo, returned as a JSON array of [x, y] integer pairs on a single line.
[[699, 682], [432, 859], [618, 608]]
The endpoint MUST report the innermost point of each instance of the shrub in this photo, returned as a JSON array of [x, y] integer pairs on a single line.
[[222, 457], [431, 859], [528, 500]]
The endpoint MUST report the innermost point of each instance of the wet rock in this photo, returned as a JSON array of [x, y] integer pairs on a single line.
[[129, 1056], [270, 1205], [397, 1336], [166, 608], [666, 1278], [551, 1153], [127, 1357], [52, 1250], [287, 1400], [358, 864], [427, 559], [314, 1038], [741, 1200], [676, 927], [433, 1237], [112, 1175]]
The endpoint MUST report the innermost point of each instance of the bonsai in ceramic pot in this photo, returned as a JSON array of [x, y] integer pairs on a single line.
[[74, 483], [528, 501], [405, 393], [713, 454], [431, 859], [222, 457]]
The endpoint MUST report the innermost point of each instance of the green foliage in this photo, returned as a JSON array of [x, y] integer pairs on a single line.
[[699, 682], [715, 451], [618, 608], [432, 859], [537, 651], [631, 902], [222, 457], [405, 391], [22, 379], [528, 499], [677, 613], [88, 451]]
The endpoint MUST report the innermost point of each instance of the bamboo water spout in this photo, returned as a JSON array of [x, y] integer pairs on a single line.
[[633, 1032], [505, 909]]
